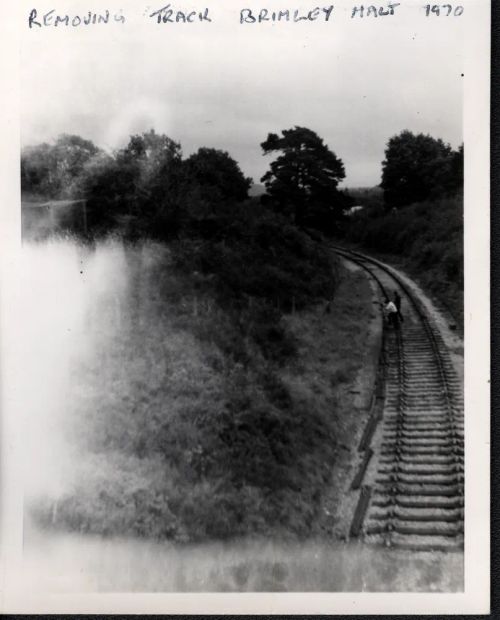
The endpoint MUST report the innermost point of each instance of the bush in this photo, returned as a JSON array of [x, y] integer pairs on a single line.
[[255, 253], [428, 236]]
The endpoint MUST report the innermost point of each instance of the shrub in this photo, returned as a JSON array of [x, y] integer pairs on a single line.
[[428, 236]]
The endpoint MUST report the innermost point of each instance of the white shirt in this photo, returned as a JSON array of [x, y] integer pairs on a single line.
[[390, 307]]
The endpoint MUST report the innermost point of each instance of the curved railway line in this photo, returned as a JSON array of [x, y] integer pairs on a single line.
[[412, 494]]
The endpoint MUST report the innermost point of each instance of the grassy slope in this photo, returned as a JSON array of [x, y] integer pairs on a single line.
[[335, 348], [178, 440], [426, 240]]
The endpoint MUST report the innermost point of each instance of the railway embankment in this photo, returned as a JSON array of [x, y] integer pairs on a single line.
[[223, 424], [330, 378]]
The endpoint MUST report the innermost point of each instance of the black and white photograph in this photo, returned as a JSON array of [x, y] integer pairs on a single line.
[[233, 348]]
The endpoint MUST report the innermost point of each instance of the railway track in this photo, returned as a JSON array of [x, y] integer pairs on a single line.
[[413, 492]]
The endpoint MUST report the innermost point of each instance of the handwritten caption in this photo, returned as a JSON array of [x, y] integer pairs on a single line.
[[169, 14]]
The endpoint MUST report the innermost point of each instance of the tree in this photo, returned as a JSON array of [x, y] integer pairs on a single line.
[[138, 187], [152, 182], [216, 185], [101, 184], [52, 170], [303, 180], [419, 167], [38, 170], [149, 162], [218, 175]]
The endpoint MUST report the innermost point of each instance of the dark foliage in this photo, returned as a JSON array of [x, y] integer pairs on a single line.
[[51, 170], [137, 190], [143, 190], [302, 181], [418, 168], [420, 221], [428, 237], [218, 176], [253, 252]]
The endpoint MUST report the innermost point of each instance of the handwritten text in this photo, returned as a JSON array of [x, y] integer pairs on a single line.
[[51, 18]]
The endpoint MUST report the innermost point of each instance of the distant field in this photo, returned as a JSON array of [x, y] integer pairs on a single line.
[[257, 189]]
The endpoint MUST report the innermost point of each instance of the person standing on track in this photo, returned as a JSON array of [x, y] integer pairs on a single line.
[[397, 303], [391, 312]]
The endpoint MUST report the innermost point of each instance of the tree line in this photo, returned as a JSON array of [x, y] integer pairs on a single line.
[[268, 247], [149, 189]]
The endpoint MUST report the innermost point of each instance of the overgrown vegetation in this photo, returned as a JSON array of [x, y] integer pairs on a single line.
[[426, 239], [200, 412], [192, 431], [195, 421], [417, 222], [418, 168], [251, 252]]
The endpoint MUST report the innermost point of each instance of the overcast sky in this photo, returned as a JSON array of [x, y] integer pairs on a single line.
[[225, 85]]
